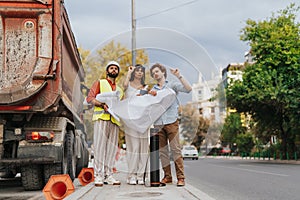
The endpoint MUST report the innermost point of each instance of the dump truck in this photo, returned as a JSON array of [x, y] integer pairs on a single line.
[[42, 132]]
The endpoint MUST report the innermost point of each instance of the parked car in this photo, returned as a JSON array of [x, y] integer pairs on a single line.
[[189, 152], [225, 151], [214, 151]]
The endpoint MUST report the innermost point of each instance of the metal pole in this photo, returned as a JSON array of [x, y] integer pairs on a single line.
[[133, 30], [154, 158]]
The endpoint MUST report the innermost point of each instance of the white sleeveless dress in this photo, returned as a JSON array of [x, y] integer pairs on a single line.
[[136, 146], [130, 91]]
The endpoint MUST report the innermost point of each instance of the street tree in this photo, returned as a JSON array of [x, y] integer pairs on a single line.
[[189, 120], [201, 133], [231, 129], [245, 142], [95, 61], [270, 87]]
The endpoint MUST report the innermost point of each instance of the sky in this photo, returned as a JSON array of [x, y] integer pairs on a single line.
[[199, 37]]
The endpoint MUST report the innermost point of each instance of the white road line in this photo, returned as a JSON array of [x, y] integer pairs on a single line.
[[243, 165], [255, 171]]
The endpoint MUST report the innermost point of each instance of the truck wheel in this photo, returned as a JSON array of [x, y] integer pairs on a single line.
[[83, 161], [32, 177], [70, 154], [52, 169]]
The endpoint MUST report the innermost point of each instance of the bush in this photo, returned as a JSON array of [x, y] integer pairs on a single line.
[[245, 142]]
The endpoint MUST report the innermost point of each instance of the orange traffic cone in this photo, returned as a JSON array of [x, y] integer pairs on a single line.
[[86, 176], [58, 187]]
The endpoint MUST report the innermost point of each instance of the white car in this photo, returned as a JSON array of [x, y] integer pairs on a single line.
[[189, 152]]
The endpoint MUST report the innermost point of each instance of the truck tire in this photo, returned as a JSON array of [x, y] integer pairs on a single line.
[[83, 161], [70, 154], [52, 169], [32, 177]]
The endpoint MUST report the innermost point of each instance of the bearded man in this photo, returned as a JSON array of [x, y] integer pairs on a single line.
[[106, 127]]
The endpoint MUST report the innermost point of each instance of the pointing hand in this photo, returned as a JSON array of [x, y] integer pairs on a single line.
[[175, 72]]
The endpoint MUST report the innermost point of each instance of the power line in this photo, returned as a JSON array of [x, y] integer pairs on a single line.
[[168, 9]]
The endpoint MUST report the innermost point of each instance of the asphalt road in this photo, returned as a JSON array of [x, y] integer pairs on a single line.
[[220, 179], [11, 189], [224, 179]]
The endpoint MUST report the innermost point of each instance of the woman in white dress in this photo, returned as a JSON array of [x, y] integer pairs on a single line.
[[136, 143]]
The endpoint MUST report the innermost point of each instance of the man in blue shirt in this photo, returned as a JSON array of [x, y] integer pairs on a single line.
[[168, 123]]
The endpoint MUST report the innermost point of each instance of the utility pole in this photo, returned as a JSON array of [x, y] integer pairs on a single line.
[[133, 29]]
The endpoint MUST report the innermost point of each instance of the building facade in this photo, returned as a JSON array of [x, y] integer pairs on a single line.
[[205, 96]]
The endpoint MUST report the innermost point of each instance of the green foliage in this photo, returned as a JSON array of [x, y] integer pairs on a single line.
[[273, 151], [270, 87], [231, 129], [245, 142]]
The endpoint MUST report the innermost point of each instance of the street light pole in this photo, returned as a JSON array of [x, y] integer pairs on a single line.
[[133, 29]]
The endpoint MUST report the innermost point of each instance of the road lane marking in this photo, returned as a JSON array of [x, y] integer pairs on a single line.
[[255, 171], [243, 165]]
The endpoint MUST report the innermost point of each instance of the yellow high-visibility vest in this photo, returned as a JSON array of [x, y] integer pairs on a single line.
[[99, 112]]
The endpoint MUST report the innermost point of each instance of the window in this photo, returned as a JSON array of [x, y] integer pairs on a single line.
[[200, 111], [212, 110]]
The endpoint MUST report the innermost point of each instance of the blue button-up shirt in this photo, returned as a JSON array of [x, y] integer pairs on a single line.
[[171, 114]]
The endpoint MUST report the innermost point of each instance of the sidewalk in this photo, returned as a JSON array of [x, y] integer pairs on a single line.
[[134, 192]]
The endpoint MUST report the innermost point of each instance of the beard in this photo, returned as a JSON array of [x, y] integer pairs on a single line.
[[111, 75]]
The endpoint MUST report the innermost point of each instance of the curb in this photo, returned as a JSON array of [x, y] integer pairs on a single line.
[[197, 193], [80, 192], [296, 162]]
